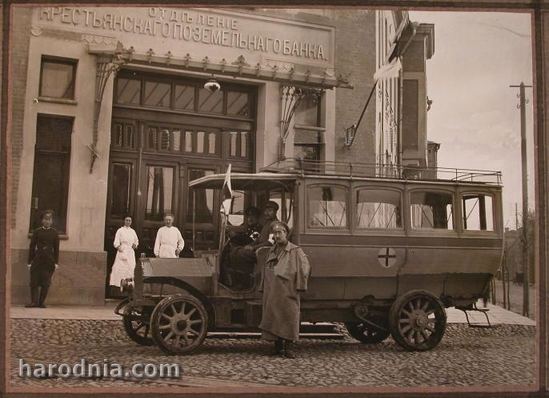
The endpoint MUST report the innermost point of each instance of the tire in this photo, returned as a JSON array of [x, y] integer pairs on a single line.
[[417, 320], [137, 324], [366, 333], [179, 324]]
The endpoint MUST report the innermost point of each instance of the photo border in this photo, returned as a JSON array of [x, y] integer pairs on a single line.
[[539, 10]]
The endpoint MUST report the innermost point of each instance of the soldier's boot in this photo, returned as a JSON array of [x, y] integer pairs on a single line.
[[288, 351], [34, 297], [278, 347], [43, 295]]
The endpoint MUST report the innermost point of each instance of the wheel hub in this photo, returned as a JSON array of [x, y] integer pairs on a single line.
[[180, 324], [419, 320]]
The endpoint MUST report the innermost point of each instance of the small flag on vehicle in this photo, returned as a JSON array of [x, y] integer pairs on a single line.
[[227, 192]]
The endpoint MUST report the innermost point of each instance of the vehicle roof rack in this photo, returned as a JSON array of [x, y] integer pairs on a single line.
[[383, 171]]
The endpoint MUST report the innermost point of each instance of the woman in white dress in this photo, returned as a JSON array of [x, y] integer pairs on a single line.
[[125, 242]]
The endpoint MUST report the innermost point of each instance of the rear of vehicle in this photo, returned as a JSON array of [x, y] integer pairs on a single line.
[[390, 254]]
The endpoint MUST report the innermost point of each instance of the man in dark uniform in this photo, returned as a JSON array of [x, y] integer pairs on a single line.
[[43, 259], [241, 259], [269, 216]]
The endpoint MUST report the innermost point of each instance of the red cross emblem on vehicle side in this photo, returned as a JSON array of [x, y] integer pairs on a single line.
[[386, 257]]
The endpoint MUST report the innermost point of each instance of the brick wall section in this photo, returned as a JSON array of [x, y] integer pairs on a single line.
[[20, 36], [355, 53], [355, 46]]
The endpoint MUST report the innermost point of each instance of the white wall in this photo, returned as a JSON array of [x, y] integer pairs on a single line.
[[87, 192]]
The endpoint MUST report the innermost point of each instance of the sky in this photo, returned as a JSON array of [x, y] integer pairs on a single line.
[[474, 115]]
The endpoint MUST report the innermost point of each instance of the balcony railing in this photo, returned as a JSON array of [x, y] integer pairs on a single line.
[[386, 171]]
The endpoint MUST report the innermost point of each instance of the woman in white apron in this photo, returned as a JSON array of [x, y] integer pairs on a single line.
[[125, 242], [169, 242]]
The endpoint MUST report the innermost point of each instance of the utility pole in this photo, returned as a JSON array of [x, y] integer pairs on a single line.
[[516, 216], [525, 259]]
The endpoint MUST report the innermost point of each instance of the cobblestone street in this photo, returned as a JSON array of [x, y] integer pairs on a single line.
[[466, 356]]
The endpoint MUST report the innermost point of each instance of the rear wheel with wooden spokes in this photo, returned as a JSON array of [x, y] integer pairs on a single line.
[[417, 320]]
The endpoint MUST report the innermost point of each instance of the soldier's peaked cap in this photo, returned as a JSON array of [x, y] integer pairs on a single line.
[[272, 204]]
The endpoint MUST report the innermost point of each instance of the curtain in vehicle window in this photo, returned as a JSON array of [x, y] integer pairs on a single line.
[[327, 207], [431, 210], [378, 209]]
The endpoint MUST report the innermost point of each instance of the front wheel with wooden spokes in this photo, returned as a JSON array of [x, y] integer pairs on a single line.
[[179, 324], [417, 320]]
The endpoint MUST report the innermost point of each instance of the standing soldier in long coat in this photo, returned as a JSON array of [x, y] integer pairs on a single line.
[[43, 259], [285, 276]]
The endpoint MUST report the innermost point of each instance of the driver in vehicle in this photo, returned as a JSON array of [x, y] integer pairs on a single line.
[[249, 230], [245, 240], [269, 216]]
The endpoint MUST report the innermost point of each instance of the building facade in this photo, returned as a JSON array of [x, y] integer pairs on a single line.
[[112, 116]]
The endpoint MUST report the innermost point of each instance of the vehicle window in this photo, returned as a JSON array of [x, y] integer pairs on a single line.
[[378, 208], [477, 213], [327, 207], [431, 210]]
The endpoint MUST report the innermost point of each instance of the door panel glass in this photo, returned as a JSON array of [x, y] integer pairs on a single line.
[[152, 138], [120, 180], [188, 141], [184, 97], [176, 135], [203, 209], [157, 94], [210, 102], [244, 144], [128, 91], [238, 103], [211, 143], [233, 141], [51, 169], [200, 141], [165, 139], [160, 190]]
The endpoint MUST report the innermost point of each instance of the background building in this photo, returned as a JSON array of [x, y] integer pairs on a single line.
[[110, 115]]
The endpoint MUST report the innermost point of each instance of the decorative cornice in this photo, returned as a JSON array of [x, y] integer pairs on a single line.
[[295, 75]]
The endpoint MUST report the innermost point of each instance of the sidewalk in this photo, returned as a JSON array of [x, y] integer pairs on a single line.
[[497, 314]]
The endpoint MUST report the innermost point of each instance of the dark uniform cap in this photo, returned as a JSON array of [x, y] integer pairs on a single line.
[[252, 211], [272, 204]]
